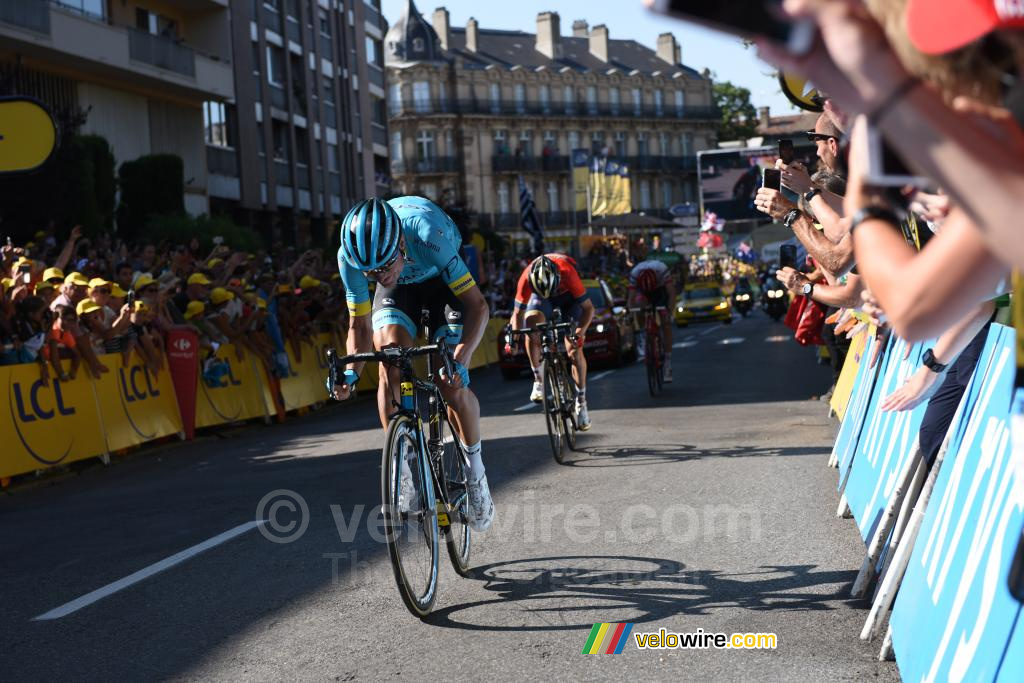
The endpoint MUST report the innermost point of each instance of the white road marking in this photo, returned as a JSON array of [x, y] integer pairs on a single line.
[[710, 330], [600, 375], [778, 338], [732, 340], [142, 574], [684, 344], [526, 406]]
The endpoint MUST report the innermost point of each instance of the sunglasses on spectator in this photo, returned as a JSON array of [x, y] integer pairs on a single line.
[[814, 136]]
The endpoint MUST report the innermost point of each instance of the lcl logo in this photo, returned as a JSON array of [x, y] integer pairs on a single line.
[[39, 410], [230, 377], [129, 380]]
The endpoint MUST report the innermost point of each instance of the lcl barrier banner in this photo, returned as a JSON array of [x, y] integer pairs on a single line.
[[47, 425], [136, 405], [239, 395], [954, 615], [857, 409], [887, 441], [848, 376], [305, 385]]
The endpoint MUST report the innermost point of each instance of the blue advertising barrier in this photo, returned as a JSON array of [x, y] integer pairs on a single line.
[[857, 408], [887, 441], [954, 615]]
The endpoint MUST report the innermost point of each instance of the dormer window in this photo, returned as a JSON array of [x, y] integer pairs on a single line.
[[417, 45]]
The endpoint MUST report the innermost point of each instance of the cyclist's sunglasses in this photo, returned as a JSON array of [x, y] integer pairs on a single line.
[[814, 136], [386, 267]]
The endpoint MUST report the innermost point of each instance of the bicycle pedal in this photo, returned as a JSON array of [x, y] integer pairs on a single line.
[[442, 515]]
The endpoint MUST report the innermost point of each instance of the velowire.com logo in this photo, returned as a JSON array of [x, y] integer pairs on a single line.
[[607, 639]]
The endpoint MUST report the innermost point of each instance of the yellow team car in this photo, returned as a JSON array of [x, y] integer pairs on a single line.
[[702, 301]]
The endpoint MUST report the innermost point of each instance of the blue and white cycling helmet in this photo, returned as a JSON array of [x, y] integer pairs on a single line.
[[370, 233]]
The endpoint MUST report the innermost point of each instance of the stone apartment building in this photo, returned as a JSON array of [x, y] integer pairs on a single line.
[[470, 109]]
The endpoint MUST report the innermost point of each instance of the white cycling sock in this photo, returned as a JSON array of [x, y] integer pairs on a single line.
[[476, 463], [536, 375]]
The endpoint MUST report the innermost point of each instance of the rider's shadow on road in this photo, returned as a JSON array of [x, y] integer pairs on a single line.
[[574, 592], [657, 454]]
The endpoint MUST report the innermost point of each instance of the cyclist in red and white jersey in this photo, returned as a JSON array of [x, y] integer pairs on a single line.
[[651, 281]]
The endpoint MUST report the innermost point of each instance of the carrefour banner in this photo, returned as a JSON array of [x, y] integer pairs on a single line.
[[238, 395], [580, 177], [887, 441], [46, 425], [136, 405], [857, 411], [954, 614]]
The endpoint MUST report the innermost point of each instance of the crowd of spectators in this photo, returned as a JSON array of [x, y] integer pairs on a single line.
[[67, 304]]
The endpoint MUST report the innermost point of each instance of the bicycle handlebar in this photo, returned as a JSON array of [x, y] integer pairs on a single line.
[[543, 327], [390, 356]]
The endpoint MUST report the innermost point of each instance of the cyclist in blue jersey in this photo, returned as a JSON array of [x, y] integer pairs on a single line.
[[410, 247]]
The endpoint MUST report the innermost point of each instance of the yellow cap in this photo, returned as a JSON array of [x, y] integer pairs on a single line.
[[261, 304], [53, 274], [116, 291], [198, 279], [76, 279], [214, 262], [21, 260], [141, 307], [284, 289], [97, 282], [219, 295], [142, 281], [87, 306], [43, 284], [7, 282], [308, 282], [193, 309]]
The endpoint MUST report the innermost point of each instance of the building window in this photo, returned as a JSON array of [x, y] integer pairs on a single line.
[[282, 146], [215, 124], [687, 192], [396, 146], [597, 142], [525, 147], [680, 102], [613, 101], [638, 102], [641, 145], [495, 98], [519, 94], [645, 194], [544, 97], [325, 23], [333, 161], [449, 143], [301, 146], [274, 5], [666, 194], [373, 52], [503, 197], [501, 142], [95, 8], [421, 97], [553, 196], [425, 145], [417, 45], [395, 96], [153, 23], [592, 100], [620, 144], [687, 144], [569, 98], [663, 144], [256, 58], [659, 103], [550, 143], [329, 90], [442, 95], [275, 66], [574, 140]]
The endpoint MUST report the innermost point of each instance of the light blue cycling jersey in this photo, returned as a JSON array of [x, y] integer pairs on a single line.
[[432, 243]]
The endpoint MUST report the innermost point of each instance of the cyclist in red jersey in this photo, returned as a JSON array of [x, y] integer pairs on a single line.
[[551, 282], [651, 281]]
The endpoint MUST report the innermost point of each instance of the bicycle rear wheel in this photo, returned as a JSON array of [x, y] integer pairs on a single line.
[[455, 473], [653, 361], [552, 408], [567, 386], [410, 525]]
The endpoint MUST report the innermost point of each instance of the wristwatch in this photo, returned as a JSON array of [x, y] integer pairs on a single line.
[[874, 212], [811, 193], [791, 216], [928, 360], [808, 289]]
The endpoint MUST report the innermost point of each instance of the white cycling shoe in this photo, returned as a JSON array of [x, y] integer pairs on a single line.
[[537, 395], [481, 507], [667, 373], [582, 417]]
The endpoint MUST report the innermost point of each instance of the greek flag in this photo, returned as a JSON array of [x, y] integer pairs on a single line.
[[529, 217]]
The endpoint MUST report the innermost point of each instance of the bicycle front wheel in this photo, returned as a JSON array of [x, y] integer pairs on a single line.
[[552, 405], [410, 524], [653, 363], [568, 393], [455, 474]]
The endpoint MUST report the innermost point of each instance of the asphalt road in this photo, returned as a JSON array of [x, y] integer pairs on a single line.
[[709, 507]]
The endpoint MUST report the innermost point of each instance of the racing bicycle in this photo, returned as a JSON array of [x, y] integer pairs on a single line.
[[559, 397], [654, 348], [424, 475]]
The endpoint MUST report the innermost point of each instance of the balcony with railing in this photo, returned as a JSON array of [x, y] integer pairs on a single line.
[[221, 161], [293, 29], [661, 164], [419, 106], [31, 14], [161, 52], [431, 165], [503, 163], [379, 133], [375, 74], [282, 172], [278, 98]]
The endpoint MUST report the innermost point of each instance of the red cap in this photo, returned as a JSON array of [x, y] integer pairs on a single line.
[[939, 26]]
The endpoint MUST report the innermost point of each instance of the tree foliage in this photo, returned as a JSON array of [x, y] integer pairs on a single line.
[[739, 117]]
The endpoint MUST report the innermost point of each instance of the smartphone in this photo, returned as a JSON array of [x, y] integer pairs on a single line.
[[747, 18], [786, 151], [772, 179], [218, 240], [787, 256], [885, 166], [130, 299], [27, 278]]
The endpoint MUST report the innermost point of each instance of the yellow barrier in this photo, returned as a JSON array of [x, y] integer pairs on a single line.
[[239, 396], [305, 386], [848, 375], [47, 426], [135, 406]]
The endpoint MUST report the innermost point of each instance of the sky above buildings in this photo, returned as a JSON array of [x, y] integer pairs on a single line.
[[626, 19]]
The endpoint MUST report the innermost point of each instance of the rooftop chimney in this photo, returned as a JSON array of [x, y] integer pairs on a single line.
[[668, 49], [599, 42], [471, 35], [549, 41], [580, 28], [440, 21]]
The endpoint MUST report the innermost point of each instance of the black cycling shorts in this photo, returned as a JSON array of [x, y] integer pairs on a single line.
[[403, 305], [658, 297], [570, 307]]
